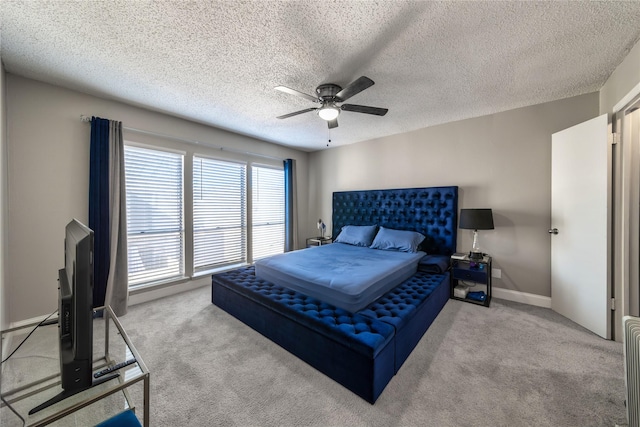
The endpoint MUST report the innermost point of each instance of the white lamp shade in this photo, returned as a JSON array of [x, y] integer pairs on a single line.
[[328, 113]]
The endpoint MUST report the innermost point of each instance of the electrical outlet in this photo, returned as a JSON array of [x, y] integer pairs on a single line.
[[496, 272]]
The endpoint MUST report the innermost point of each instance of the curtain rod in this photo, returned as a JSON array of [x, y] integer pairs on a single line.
[[87, 119]]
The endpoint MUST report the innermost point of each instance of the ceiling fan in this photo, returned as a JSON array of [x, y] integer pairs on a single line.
[[329, 95]]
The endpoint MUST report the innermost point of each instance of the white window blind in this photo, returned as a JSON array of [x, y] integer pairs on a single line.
[[219, 213], [155, 215], [267, 186]]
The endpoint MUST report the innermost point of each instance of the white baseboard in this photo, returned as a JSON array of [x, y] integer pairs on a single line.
[[522, 297], [4, 350], [33, 321], [135, 298], [138, 297], [7, 338]]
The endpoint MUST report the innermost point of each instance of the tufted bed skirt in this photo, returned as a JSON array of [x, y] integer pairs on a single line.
[[363, 350]]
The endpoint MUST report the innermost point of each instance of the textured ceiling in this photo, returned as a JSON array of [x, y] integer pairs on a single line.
[[217, 62]]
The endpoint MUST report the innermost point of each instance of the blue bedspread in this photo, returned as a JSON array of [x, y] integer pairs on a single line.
[[346, 276]]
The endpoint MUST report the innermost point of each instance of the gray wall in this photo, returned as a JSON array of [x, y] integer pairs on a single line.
[[500, 161], [625, 78], [3, 205], [48, 170]]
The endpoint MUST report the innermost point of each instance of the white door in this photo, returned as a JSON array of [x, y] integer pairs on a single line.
[[580, 182]]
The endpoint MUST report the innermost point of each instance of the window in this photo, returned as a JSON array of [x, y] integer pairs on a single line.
[[155, 215], [189, 214], [267, 187], [219, 213]]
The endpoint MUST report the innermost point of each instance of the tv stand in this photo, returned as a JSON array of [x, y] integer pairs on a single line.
[[32, 375], [68, 393]]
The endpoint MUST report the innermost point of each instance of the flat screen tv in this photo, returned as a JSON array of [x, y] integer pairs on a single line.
[[75, 314]]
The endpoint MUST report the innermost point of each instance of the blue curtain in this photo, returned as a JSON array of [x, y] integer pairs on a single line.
[[99, 206], [289, 203]]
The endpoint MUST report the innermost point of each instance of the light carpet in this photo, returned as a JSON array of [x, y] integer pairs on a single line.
[[507, 365]]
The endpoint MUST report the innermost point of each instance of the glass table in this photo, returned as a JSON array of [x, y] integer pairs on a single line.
[[31, 376]]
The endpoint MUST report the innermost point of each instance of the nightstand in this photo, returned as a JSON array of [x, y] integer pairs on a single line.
[[318, 241], [472, 271]]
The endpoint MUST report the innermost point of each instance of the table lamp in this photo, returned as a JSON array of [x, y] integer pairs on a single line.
[[476, 219], [322, 228]]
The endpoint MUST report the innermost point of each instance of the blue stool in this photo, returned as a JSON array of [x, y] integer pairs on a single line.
[[123, 419]]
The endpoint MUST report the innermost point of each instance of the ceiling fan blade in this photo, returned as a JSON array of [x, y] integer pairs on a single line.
[[306, 110], [364, 109], [333, 123], [296, 93], [354, 88]]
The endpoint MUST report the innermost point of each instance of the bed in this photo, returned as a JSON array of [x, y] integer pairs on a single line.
[[344, 275], [361, 345]]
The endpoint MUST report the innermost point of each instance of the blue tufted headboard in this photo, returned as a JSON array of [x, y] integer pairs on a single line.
[[432, 211]]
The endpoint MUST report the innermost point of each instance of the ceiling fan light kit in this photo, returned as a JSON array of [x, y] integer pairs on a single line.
[[328, 95], [329, 112]]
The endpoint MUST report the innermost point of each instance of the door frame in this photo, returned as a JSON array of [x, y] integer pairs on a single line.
[[626, 176]]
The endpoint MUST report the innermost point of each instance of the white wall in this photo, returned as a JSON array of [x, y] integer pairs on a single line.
[[48, 170], [500, 161]]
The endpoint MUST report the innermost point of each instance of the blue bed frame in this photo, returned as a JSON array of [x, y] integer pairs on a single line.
[[363, 350]]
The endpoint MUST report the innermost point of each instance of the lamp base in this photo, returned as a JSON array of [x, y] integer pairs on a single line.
[[476, 255]]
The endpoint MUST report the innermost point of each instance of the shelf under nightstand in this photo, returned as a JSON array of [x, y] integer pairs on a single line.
[[318, 241]]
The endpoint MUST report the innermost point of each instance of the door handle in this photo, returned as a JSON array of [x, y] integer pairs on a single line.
[[553, 231]]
